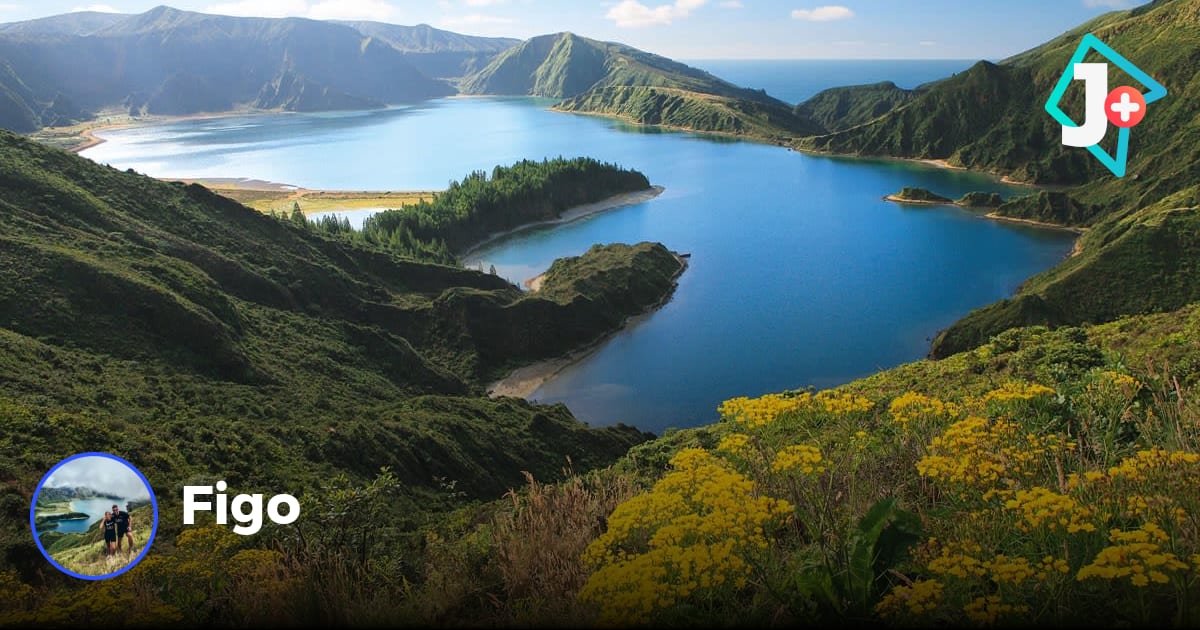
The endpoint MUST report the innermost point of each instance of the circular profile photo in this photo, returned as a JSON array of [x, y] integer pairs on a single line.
[[94, 516]]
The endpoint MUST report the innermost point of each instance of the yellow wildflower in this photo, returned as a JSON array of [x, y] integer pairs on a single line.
[[1136, 554], [806, 459], [918, 598]]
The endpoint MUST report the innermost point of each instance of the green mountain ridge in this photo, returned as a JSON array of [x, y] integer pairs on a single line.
[[611, 79], [178, 329], [167, 61]]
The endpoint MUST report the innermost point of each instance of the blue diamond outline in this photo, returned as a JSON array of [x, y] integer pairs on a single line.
[[1156, 91]]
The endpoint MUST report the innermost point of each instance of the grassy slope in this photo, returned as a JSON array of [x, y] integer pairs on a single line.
[[203, 340], [529, 547], [840, 108], [617, 80]]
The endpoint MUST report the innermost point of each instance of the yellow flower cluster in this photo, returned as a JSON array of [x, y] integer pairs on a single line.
[[1155, 463], [1135, 554], [920, 597], [1076, 480], [841, 404], [980, 453], [761, 411], [911, 406], [1040, 507], [1006, 570], [986, 611], [1051, 565], [1017, 390], [696, 530], [959, 560], [806, 459], [1123, 382], [734, 443]]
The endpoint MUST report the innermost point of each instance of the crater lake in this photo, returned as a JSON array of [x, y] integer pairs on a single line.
[[800, 273]]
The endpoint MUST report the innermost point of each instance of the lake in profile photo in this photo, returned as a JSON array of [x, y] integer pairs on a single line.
[[94, 516]]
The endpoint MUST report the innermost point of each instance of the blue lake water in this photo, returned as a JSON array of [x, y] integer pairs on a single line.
[[94, 508], [800, 274]]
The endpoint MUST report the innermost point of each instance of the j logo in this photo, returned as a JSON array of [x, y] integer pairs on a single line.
[[1124, 107]]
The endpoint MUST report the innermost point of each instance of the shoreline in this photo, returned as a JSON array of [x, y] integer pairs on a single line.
[[1035, 223], [89, 129], [921, 202], [525, 380], [994, 216], [574, 213]]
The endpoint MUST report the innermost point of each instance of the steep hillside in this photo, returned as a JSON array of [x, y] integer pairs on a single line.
[[200, 339], [617, 80], [167, 61], [437, 53], [991, 117], [840, 108]]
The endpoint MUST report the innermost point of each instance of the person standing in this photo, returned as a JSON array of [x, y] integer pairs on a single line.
[[110, 534], [124, 527]]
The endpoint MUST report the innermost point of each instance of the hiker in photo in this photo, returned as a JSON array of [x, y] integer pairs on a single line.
[[110, 534], [124, 527]]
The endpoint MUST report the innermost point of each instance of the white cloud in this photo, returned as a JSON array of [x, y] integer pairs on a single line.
[[101, 474], [260, 8], [732, 4], [377, 10], [98, 8], [474, 19], [823, 14], [9, 7], [1107, 4], [484, 3], [927, 42], [634, 14]]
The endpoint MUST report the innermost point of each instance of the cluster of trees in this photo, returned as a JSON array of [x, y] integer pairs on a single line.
[[481, 204]]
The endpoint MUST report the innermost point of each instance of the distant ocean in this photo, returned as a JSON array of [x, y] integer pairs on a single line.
[[796, 80]]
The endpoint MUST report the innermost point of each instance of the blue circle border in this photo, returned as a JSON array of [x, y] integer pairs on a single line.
[[33, 521]]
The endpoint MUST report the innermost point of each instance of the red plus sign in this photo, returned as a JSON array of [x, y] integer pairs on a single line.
[[1125, 106]]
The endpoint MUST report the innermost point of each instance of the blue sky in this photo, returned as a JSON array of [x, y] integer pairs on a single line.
[[693, 29]]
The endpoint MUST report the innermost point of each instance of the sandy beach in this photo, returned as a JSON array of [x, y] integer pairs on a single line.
[[524, 381], [573, 214]]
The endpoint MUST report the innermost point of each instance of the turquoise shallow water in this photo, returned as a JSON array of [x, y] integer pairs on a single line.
[[800, 274]]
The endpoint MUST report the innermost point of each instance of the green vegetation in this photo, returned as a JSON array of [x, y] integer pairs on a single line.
[[978, 199], [85, 554], [622, 278], [204, 340], [478, 205], [979, 489], [692, 110], [60, 516], [1137, 256], [913, 194], [617, 80], [840, 108], [1049, 206]]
